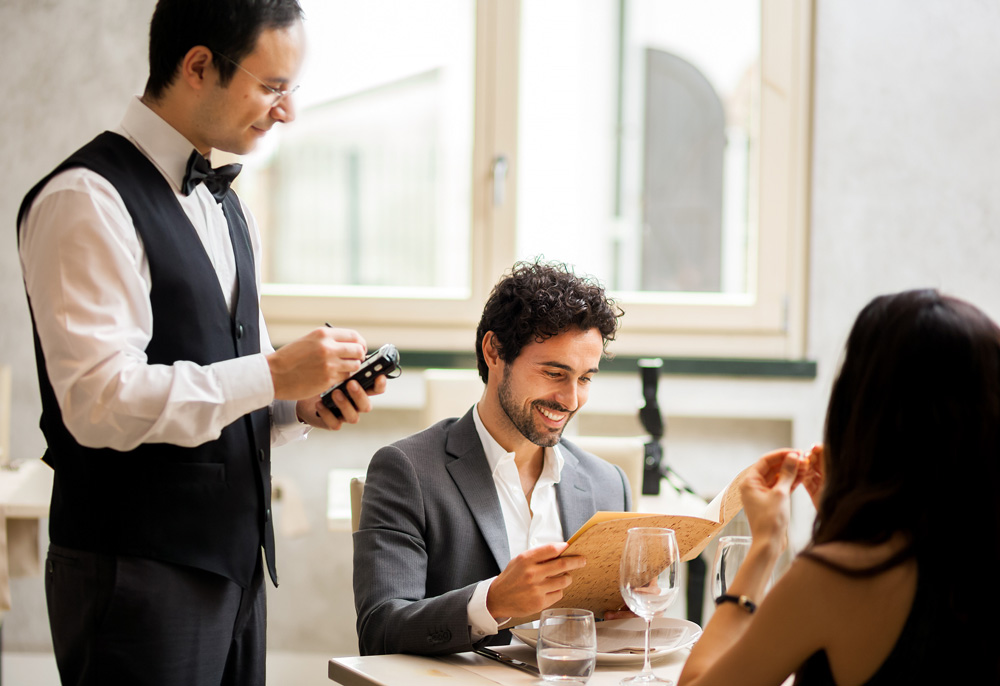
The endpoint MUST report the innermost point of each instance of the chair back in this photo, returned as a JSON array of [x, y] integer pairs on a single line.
[[357, 491], [627, 452], [450, 393]]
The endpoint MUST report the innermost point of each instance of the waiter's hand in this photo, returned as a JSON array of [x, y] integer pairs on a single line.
[[309, 365], [532, 581], [315, 413]]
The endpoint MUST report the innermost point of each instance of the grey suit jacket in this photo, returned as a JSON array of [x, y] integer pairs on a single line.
[[431, 529]]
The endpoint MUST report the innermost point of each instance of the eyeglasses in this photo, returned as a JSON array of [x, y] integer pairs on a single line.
[[278, 94]]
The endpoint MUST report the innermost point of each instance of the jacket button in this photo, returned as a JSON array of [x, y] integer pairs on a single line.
[[261, 455], [267, 515], [239, 331]]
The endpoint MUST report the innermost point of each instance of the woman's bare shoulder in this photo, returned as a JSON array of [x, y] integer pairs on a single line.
[[861, 615]]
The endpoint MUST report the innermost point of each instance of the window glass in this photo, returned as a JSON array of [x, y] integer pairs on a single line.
[[636, 141], [369, 191]]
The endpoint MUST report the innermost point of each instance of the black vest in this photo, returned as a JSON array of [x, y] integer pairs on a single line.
[[206, 507]]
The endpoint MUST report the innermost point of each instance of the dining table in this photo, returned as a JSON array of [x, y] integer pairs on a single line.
[[471, 669]]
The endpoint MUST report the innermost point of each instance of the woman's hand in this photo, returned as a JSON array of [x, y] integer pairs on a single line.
[[811, 473], [766, 495]]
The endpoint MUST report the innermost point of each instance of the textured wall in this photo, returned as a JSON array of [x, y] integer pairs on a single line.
[[71, 66], [906, 161]]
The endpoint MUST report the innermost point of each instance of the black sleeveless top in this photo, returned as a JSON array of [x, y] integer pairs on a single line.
[[935, 647], [206, 506]]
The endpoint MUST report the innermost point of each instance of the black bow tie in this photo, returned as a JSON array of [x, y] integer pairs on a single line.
[[216, 180]]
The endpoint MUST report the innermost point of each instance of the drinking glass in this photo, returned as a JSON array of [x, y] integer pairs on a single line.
[[567, 645], [729, 556], [648, 579]]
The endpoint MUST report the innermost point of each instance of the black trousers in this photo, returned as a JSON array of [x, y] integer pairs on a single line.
[[130, 620]]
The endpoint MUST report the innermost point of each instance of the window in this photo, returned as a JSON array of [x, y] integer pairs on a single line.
[[660, 146], [634, 148]]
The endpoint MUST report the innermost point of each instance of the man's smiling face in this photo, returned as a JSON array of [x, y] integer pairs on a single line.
[[548, 382]]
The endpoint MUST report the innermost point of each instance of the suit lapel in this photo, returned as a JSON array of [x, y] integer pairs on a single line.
[[471, 473], [574, 493]]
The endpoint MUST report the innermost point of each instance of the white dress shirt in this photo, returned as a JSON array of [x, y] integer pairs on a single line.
[[528, 526], [88, 282]]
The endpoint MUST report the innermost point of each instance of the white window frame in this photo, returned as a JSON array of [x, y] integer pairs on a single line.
[[768, 323]]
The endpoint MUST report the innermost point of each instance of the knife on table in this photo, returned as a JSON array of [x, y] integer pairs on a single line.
[[509, 661]]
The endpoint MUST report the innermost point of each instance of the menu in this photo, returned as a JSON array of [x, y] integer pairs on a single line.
[[602, 539]]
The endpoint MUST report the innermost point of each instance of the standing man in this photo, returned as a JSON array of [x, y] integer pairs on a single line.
[[161, 394], [462, 524]]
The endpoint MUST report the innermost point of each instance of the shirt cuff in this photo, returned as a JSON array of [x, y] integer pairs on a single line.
[[285, 425], [246, 380], [481, 622], [283, 414]]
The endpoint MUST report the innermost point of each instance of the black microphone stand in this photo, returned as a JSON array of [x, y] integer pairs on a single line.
[[655, 470]]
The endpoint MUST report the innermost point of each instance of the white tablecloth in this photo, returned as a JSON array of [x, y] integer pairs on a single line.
[[469, 669]]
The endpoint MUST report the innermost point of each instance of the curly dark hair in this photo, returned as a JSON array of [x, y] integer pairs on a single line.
[[538, 300]]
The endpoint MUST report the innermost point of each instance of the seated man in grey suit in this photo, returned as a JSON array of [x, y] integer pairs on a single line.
[[462, 524]]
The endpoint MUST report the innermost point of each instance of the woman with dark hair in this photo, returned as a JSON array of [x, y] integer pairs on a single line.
[[904, 485]]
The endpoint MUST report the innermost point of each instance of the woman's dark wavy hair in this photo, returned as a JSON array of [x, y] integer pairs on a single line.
[[912, 447], [229, 27], [538, 300], [912, 440]]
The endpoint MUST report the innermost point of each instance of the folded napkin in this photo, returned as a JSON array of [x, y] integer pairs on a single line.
[[622, 640]]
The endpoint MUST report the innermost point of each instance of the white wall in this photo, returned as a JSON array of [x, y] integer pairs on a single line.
[[905, 165], [904, 183]]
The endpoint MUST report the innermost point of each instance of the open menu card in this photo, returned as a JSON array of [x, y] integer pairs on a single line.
[[602, 539]]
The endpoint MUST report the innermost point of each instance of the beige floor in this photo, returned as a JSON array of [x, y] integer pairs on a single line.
[[283, 669]]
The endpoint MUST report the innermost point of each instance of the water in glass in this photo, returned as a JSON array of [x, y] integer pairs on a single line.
[[567, 645]]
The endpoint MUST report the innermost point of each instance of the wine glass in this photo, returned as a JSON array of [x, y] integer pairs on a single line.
[[729, 555], [648, 579], [567, 645]]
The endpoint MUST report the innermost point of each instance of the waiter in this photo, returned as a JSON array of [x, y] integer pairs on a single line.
[[161, 394]]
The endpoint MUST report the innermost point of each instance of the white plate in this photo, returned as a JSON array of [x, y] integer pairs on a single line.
[[688, 633]]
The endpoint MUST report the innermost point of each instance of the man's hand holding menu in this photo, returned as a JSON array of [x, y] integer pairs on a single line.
[[533, 581]]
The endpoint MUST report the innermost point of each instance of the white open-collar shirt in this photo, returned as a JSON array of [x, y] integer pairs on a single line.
[[88, 282], [528, 525]]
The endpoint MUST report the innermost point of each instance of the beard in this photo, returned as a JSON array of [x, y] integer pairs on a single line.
[[524, 419]]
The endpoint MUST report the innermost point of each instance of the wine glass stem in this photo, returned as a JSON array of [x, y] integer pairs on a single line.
[[646, 667]]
